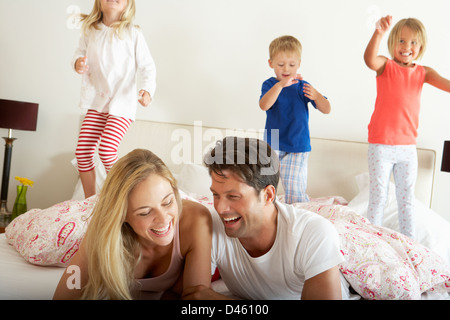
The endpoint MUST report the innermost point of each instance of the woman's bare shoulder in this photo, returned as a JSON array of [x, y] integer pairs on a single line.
[[192, 209]]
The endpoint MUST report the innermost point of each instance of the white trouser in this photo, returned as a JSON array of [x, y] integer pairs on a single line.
[[402, 161]]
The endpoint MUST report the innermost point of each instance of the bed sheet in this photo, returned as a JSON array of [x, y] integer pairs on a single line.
[[20, 280]]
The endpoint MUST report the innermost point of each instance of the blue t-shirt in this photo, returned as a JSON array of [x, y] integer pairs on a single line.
[[290, 115]]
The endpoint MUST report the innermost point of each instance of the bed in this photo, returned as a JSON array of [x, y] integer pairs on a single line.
[[382, 264]]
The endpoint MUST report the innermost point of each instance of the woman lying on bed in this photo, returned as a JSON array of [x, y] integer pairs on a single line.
[[142, 242]]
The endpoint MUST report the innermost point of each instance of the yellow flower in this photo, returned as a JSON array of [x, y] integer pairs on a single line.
[[25, 181]]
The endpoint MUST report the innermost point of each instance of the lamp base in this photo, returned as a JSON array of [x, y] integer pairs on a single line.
[[5, 215]]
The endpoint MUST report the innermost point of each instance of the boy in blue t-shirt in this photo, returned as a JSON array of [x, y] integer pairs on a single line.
[[285, 100]]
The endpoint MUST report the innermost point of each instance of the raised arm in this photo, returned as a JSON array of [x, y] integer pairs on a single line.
[[371, 57]]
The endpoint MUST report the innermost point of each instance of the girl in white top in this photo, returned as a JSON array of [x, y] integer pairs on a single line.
[[111, 52]]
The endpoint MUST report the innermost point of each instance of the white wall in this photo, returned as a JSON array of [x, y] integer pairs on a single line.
[[211, 57]]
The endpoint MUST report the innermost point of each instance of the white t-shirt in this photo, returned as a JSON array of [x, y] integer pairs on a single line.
[[110, 83], [306, 245]]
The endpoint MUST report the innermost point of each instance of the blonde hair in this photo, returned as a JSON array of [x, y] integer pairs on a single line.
[[416, 27], [96, 16], [111, 244], [288, 44]]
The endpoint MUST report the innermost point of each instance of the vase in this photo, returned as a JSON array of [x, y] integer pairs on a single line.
[[20, 205]]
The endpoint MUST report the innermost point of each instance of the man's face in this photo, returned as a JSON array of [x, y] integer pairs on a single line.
[[238, 205]]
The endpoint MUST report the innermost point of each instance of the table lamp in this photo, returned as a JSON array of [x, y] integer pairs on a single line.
[[19, 116], [446, 157]]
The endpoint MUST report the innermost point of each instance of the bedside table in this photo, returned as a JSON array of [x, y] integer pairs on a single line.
[[2, 229]]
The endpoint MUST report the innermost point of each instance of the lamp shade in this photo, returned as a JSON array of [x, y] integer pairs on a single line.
[[446, 157], [18, 115]]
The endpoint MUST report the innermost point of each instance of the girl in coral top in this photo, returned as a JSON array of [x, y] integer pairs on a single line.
[[394, 122]]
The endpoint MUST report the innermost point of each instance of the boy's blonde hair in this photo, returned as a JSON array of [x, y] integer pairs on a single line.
[[96, 16], [415, 26], [288, 44]]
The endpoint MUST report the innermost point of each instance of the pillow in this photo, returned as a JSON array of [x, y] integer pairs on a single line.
[[51, 237], [381, 263], [194, 180]]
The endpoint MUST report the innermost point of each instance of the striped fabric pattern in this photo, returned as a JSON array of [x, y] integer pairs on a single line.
[[294, 175], [100, 130]]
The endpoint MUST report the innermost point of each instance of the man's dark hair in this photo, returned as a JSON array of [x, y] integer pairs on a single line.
[[252, 160]]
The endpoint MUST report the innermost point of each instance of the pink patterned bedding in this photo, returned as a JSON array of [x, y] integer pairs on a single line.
[[380, 263], [50, 237]]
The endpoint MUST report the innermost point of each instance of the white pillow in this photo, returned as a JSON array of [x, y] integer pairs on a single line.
[[194, 180]]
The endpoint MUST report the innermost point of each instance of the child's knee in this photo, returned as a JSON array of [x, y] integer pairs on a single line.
[[85, 161]]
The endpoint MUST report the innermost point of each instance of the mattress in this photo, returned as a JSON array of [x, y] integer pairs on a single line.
[[22, 280]]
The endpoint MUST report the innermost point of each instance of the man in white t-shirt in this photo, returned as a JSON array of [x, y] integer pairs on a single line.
[[265, 249]]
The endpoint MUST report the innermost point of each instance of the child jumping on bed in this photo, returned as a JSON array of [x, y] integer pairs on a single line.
[[110, 54], [394, 123], [285, 99]]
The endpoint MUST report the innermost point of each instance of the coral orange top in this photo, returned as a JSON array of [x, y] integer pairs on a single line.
[[395, 119]]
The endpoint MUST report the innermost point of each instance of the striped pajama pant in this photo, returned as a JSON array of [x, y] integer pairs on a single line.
[[100, 130], [294, 175]]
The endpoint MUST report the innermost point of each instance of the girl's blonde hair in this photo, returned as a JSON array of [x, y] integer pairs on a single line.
[[415, 26], [96, 16], [111, 244], [288, 44]]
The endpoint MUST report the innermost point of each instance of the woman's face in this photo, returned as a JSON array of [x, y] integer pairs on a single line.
[[153, 211]]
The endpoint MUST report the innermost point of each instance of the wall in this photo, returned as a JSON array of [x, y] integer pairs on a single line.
[[211, 57]]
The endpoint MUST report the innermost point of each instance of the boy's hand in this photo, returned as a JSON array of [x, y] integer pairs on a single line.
[[310, 92], [384, 24], [81, 66], [322, 103], [287, 82], [145, 98], [271, 96]]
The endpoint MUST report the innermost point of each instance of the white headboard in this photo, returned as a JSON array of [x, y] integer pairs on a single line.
[[333, 164]]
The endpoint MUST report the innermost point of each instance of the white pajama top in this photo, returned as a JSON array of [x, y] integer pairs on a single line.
[[110, 84]]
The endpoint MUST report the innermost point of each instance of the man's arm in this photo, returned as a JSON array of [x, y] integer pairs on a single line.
[[203, 293], [324, 286]]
